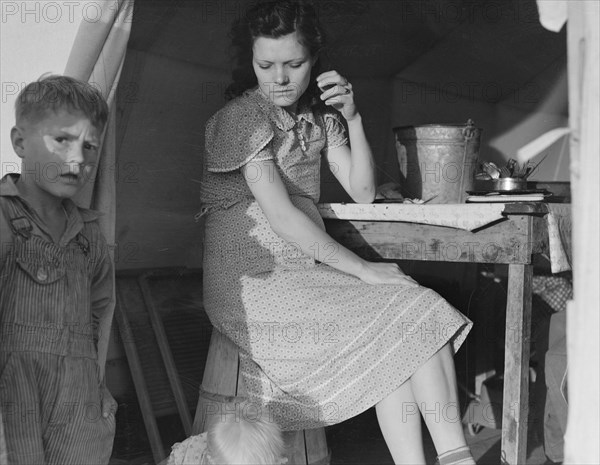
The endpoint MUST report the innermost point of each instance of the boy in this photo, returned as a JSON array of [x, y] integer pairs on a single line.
[[55, 282]]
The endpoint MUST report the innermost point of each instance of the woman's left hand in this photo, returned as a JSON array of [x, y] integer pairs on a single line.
[[337, 92]]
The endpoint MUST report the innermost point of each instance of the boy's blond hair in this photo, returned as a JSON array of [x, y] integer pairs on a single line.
[[54, 92]]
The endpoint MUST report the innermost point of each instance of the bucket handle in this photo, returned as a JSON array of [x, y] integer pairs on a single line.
[[469, 130]]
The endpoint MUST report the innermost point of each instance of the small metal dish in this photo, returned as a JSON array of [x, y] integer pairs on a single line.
[[500, 184]]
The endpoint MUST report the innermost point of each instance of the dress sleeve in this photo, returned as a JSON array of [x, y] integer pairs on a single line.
[[336, 132], [235, 135]]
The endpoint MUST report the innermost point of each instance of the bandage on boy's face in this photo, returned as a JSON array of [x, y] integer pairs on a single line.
[[58, 152], [282, 67]]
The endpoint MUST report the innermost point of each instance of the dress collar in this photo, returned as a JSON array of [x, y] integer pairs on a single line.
[[282, 118]]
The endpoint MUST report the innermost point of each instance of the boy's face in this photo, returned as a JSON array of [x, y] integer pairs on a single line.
[[58, 152]]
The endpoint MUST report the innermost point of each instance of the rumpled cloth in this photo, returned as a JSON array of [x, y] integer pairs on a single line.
[[192, 451], [559, 236], [556, 291]]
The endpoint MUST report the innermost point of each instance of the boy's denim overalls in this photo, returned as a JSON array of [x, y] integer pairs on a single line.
[[50, 391]]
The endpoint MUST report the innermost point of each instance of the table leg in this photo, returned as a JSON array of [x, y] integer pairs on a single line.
[[516, 365]]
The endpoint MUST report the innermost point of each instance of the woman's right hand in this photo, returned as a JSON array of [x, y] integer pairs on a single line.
[[385, 273], [337, 92]]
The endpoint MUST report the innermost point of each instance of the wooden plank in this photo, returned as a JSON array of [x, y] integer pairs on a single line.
[[165, 351], [224, 355], [295, 447], [220, 380], [525, 208], [583, 317], [153, 370], [508, 241], [430, 213], [177, 295], [516, 365], [240, 390], [316, 446], [158, 451], [539, 236], [460, 216]]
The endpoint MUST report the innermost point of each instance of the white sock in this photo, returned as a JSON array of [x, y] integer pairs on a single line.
[[458, 456]]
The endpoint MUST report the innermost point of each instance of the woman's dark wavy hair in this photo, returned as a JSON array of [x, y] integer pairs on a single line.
[[273, 19]]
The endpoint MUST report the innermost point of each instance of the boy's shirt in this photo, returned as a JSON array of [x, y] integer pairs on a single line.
[[97, 295]]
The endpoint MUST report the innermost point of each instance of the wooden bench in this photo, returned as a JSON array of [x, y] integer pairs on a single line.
[[223, 391]]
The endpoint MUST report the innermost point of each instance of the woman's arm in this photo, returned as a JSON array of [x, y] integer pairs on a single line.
[[354, 169], [292, 225], [352, 166]]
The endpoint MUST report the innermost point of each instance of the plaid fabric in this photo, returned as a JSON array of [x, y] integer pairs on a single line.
[[553, 290]]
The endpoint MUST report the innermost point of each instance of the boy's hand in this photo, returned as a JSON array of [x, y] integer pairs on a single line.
[[108, 403]]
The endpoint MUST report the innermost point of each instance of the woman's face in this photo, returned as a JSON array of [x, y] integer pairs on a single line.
[[282, 67]]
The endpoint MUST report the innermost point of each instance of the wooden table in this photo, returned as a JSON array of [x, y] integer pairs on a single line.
[[512, 240]]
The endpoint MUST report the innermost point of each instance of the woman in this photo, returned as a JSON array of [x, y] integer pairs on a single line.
[[323, 334]]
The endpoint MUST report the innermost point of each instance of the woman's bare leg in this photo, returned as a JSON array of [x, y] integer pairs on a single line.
[[400, 422], [432, 393], [434, 389]]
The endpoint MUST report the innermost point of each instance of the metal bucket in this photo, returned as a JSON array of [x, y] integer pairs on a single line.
[[438, 161]]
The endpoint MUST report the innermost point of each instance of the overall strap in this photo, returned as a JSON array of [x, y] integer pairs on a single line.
[[19, 224], [22, 226], [83, 243]]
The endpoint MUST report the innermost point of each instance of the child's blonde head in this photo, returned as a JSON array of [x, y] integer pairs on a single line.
[[242, 440], [53, 93]]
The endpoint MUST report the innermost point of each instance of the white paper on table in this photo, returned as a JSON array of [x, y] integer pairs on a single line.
[[506, 198]]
